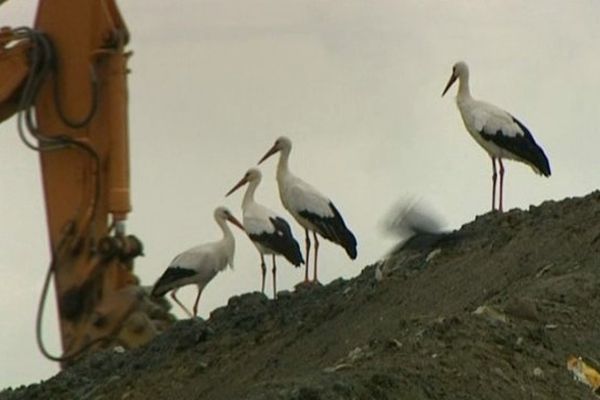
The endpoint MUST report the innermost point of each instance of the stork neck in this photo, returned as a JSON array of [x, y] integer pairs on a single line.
[[283, 164], [227, 244], [227, 234], [463, 87], [249, 195]]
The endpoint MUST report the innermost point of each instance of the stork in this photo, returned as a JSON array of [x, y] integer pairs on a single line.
[[200, 264], [270, 233], [499, 133], [313, 211]]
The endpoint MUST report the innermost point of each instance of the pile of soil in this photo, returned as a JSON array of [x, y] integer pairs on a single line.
[[491, 311]]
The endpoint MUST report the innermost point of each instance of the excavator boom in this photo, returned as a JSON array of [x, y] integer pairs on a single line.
[[67, 80]]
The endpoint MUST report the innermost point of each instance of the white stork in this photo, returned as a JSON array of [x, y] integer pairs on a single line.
[[270, 233], [498, 132], [313, 211], [200, 264]]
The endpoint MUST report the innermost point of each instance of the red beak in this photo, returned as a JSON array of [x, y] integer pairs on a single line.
[[234, 221], [238, 185], [271, 151], [450, 82]]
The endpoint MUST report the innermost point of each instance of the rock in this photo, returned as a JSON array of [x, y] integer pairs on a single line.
[[522, 308], [491, 314]]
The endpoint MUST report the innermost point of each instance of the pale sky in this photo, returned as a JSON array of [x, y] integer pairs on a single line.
[[356, 85]]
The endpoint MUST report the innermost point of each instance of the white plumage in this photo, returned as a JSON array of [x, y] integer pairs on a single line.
[[200, 264], [297, 195], [269, 232], [500, 134], [314, 211]]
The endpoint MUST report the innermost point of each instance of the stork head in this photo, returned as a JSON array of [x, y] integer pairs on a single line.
[[282, 144], [223, 214], [252, 175], [459, 70]]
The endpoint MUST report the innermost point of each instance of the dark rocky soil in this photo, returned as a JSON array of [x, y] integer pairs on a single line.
[[533, 276]]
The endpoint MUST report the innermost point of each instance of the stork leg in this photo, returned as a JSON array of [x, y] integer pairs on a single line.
[[197, 300], [315, 261], [501, 184], [176, 300], [263, 268], [494, 176], [274, 278], [307, 241]]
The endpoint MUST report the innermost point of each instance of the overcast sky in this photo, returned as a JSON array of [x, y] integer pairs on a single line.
[[356, 85]]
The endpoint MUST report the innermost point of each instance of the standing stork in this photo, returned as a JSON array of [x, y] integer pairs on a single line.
[[200, 264], [498, 132], [270, 233], [313, 211]]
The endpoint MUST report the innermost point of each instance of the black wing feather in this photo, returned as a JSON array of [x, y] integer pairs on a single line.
[[281, 241], [169, 279], [523, 146], [334, 229]]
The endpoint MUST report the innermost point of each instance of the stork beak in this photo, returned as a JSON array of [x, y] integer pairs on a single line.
[[450, 82], [234, 221], [238, 185], [271, 151]]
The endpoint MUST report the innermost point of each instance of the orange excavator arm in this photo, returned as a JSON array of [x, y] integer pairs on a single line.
[[67, 79]]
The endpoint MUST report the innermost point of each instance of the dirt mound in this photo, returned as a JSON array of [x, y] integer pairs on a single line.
[[491, 311]]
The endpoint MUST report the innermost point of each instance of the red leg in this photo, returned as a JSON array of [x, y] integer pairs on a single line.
[[176, 300], [196, 302], [274, 278], [263, 268], [307, 254], [316, 252], [501, 183], [494, 176]]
